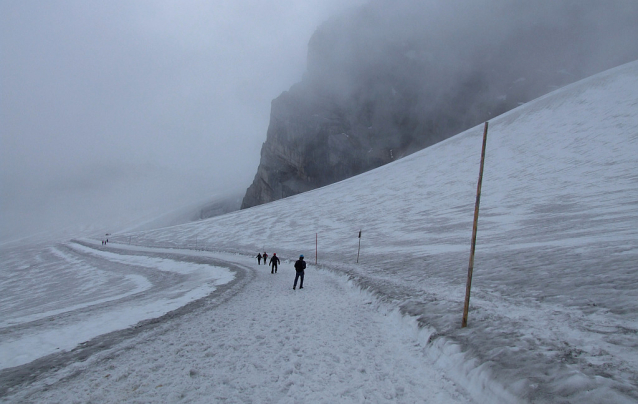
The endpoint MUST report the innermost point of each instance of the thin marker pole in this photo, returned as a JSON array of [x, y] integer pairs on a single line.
[[316, 247], [359, 246], [470, 268]]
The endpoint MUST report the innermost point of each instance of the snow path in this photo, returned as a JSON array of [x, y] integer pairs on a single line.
[[269, 343]]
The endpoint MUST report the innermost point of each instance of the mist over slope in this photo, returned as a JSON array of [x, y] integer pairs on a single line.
[[393, 77], [554, 311], [212, 207]]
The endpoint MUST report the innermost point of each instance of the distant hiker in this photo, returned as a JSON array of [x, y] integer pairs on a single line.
[[265, 257], [259, 259], [273, 263], [300, 265]]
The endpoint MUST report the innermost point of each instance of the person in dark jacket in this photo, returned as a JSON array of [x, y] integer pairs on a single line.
[[300, 265], [259, 259], [273, 263], [265, 257]]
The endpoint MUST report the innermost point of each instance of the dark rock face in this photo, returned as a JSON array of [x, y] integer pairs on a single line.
[[312, 142], [393, 77]]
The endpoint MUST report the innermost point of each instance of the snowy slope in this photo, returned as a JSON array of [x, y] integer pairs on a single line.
[[554, 310], [553, 317]]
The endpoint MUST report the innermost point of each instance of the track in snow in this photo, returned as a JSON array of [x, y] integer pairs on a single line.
[[325, 343]]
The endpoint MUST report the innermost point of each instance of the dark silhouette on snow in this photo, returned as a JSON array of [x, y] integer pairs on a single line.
[[273, 263], [300, 265]]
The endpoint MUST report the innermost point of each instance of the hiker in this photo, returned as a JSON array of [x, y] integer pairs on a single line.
[[300, 265], [265, 257], [259, 259], [273, 263]]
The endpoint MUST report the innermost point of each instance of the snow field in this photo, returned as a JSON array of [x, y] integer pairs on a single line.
[[91, 281], [554, 308], [328, 342], [32, 278], [554, 303], [91, 297]]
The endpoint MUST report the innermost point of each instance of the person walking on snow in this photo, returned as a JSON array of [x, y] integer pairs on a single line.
[[273, 263], [265, 257], [259, 259], [300, 265]]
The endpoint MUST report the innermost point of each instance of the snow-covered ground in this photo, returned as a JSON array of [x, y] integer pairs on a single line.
[[62, 296], [327, 342], [554, 308]]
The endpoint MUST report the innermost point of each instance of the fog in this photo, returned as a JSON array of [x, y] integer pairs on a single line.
[[116, 111], [436, 45], [113, 112], [394, 76]]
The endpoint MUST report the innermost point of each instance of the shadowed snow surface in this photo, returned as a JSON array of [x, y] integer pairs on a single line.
[[554, 308]]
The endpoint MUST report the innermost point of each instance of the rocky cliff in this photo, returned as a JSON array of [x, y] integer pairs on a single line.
[[393, 77]]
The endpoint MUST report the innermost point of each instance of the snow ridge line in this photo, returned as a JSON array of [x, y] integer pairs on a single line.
[[448, 355]]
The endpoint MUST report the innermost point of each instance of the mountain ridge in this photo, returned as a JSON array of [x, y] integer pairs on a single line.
[[375, 91]]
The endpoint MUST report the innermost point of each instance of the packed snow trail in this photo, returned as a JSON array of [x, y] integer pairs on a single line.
[[269, 343]]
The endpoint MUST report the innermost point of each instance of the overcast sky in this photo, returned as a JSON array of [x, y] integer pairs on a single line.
[[115, 110]]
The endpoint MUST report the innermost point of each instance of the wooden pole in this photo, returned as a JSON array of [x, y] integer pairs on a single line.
[[359, 246], [470, 268]]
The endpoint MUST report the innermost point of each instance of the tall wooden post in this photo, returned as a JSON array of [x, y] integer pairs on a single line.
[[470, 268], [359, 246]]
